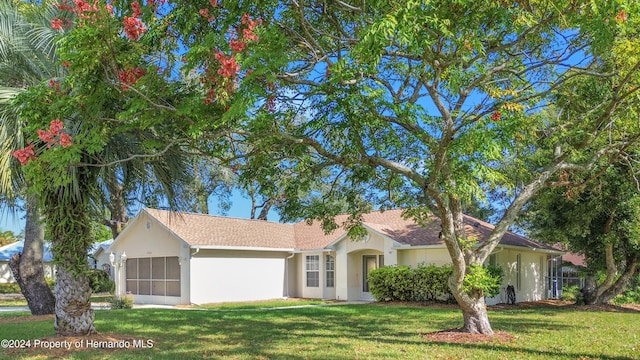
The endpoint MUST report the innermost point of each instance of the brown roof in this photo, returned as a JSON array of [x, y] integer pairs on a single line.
[[207, 230], [198, 229]]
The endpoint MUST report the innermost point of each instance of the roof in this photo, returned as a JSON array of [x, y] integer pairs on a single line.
[[206, 230], [98, 247], [7, 251]]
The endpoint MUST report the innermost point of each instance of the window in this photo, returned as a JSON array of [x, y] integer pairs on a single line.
[[329, 267], [159, 276], [493, 259], [313, 270]]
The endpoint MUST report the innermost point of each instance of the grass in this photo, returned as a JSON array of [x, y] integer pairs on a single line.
[[341, 332], [266, 304], [102, 297]]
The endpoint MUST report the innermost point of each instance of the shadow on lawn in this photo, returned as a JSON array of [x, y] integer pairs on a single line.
[[518, 352], [307, 332]]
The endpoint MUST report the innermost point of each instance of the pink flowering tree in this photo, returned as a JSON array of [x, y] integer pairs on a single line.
[[165, 76]]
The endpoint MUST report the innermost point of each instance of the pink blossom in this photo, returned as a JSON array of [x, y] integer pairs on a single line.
[[55, 126], [229, 65], [237, 45], [46, 136], [25, 155], [56, 24], [135, 6], [133, 27], [65, 140]]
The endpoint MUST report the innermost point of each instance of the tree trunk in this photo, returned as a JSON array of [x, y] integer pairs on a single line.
[[473, 307], [74, 315], [606, 292], [27, 268]]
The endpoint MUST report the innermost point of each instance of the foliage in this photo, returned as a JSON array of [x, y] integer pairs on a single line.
[[631, 295], [121, 302], [100, 281], [599, 218], [427, 106], [487, 279], [9, 288], [571, 293], [403, 283], [7, 237]]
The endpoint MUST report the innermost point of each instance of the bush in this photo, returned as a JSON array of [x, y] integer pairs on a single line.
[[402, 283], [121, 302], [571, 293], [9, 288], [100, 281], [485, 278], [631, 295]]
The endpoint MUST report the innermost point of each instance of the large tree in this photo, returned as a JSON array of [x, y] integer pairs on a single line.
[[432, 105], [599, 218], [27, 57], [125, 110]]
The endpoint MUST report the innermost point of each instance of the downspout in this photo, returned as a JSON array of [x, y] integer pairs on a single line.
[[197, 251], [286, 275]]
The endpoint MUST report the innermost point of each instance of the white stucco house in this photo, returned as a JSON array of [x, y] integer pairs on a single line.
[[7, 251], [180, 258], [99, 256]]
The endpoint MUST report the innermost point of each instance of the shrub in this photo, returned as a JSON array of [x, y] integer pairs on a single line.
[[9, 288], [51, 282], [100, 281], [121, 302], [402, 283], [485, 278], [571, 293]]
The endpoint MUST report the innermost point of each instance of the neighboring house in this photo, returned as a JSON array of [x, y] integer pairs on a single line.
[[7, 251], [99, 256], [177, 258]]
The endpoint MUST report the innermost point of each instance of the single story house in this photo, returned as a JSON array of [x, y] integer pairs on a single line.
[[163, 257], [99, 256], [7, 251]]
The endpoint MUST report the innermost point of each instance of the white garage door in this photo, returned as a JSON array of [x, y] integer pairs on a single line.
[[243, 277]]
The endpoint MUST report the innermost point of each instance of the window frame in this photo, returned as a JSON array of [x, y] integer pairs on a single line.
[[312, 271]]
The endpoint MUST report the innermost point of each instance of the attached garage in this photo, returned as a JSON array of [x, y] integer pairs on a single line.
[[233, 275]]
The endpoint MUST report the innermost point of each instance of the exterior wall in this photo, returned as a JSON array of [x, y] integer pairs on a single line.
[[102, 262], [427, 256], [349, 263], [145, 239], [6, 276], [526, 271], [229, 275], [292, 275], [532, 270]]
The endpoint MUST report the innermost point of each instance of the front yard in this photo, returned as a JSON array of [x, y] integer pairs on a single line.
[[369, 331]]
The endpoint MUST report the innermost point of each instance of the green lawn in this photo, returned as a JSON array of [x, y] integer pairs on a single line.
[[346, 332]]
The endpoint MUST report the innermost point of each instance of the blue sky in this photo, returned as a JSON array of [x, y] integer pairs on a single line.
[[240, 208]]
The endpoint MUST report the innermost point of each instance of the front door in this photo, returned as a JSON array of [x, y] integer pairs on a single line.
[[369, 262]]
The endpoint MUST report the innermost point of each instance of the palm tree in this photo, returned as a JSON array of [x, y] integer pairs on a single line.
[[27, 57]]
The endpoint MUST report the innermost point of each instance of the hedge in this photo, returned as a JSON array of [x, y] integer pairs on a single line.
[[401, 283], [429, 283]]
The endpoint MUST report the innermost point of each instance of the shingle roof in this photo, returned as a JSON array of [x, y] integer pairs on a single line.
[[207, 230]]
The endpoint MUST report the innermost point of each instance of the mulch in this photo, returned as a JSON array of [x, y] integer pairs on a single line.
[[456, 336]]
